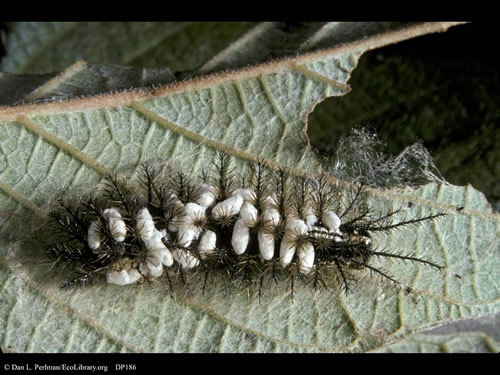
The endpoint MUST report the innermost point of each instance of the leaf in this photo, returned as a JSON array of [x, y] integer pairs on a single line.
[[471, 336], [260, 111], [35, 47], [468, 342]]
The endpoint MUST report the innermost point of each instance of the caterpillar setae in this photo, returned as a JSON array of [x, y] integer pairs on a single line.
[[266, 228]]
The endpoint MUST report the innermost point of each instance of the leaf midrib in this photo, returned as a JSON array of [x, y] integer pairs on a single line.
[[125, 98]]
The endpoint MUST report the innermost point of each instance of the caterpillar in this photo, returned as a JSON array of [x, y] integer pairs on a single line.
[[268, 227]]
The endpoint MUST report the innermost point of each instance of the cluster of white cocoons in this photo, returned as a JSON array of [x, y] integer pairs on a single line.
[[241, 201], [158, 255], [296, 227], [248, 218], [115, 224], [118, 230], [240, 204], [187, 233]]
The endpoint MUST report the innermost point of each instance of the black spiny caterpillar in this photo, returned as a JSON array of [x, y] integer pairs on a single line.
[[269, 228]]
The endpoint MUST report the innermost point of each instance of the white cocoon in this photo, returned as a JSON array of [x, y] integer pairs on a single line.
[[331, 220], [152, 268], [207, 241], [186, 235], [95, 235], [145, 225], [133, 275], [271, 216], [229, 207], [117, 277], [158, 253], [206, 195], [246, 194], [294, 228], [194, 210], [116, 224], [309, 217], [266, 245], [310, 220], [249, 213], [167, 259], [161, 252], [287, 250], [173, 225], [306, 257], [241, 236]]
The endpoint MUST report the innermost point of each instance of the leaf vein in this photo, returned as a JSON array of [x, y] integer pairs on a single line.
[[343, 87], [34, 128]]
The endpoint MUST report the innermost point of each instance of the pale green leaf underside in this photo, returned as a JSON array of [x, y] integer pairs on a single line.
[[250, 117]]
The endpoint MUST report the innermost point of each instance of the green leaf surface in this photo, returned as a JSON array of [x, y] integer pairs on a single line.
[[256, 112]]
